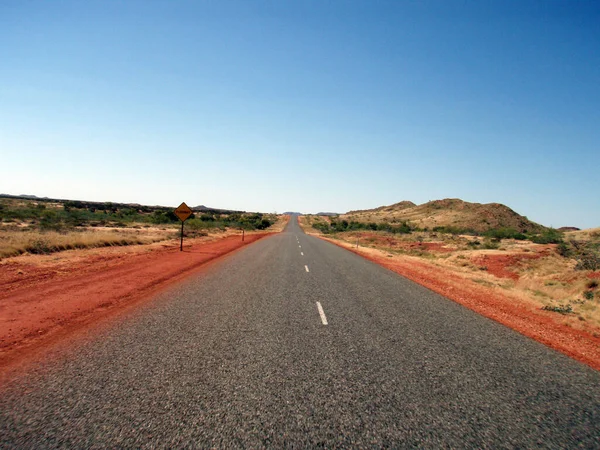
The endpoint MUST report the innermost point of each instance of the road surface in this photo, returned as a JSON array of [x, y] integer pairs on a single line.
[[294, 342]]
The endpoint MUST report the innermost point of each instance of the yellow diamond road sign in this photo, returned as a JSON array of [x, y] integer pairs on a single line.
[[183, 211]]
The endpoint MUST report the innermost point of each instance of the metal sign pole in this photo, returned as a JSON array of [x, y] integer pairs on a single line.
[[181, 244]]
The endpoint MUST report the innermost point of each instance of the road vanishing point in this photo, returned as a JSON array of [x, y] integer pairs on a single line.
[[295, 342]]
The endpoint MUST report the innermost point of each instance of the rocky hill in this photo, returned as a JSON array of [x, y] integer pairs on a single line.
[[391, 208], [450, 212]]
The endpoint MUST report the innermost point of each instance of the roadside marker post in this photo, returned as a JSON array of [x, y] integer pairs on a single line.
[[183, 211]]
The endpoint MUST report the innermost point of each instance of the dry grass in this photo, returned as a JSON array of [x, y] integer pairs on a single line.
[[16, 240], [13, 243], [590, 234]]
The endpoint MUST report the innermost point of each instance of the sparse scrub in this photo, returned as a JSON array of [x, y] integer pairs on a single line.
[[561, 309], [455, 230], [588, 261], [586, 253], [490, 244]]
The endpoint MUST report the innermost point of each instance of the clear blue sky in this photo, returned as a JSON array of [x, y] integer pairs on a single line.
[[304, 105]]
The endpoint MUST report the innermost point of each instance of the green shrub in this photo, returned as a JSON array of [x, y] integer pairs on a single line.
[[549, 236], [323, 227], [264, 224], [160, 217], [51, 220], [505, 233]]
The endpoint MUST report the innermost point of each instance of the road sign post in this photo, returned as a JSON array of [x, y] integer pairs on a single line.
[[183, 211], [181, 242]]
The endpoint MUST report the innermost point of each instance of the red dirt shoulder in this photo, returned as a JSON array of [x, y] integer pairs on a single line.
[[39, 304]]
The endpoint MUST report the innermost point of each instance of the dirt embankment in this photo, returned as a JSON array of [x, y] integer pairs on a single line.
[[44, 301], [543, 326]]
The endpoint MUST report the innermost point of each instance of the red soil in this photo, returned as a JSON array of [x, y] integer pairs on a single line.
[[498, 265], [40, 304], [543, 326]]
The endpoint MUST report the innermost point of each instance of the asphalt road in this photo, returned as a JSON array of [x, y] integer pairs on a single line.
[[240, 356]]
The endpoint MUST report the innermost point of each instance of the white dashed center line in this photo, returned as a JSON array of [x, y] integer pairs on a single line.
[[322, 313], [302, 253], [306, 267]]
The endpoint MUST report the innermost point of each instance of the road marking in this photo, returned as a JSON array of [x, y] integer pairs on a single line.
[[322, 313], [306, 267], [302, 253], [299, 246]]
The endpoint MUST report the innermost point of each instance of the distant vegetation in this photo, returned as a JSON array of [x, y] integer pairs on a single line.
[[254, 221], [36, 225], [59, 215], [337, 225]]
